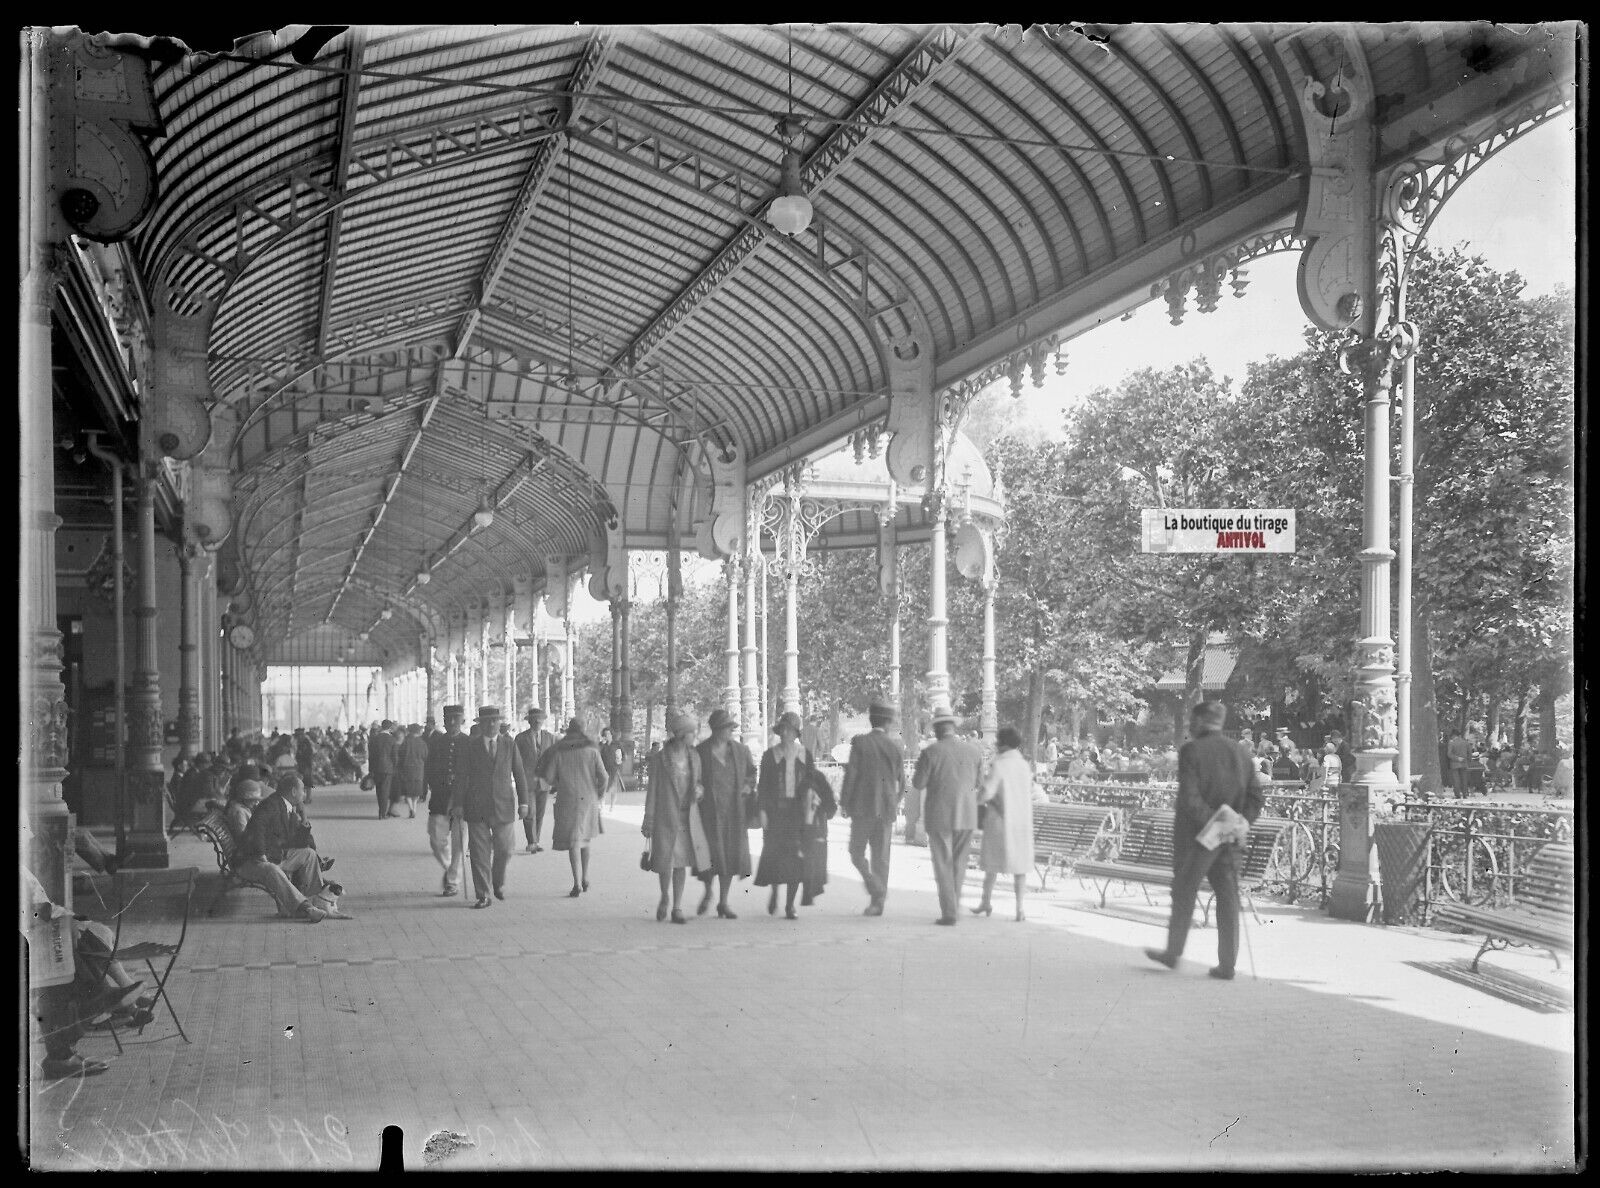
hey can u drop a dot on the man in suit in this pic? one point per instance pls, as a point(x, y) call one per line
point(532, 743)
point(491, 792)
point(874, 784)
point(384, 751)
point(444, 754)
point(1213, 771)
point(948, 771)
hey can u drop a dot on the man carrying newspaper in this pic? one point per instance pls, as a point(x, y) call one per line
point(1219, 795)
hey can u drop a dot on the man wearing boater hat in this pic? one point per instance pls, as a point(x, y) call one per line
point(491, 792)
point(949, 770)
point(874, 784)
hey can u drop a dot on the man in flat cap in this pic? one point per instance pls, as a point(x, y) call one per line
point(444, 756)
point(532, 743)
point(874, 785)
point(949, 770)
point(384, 752)
point(491, 791)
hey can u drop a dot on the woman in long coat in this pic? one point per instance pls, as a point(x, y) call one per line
point(573, 767)
point(677, 842)
point(1008, 825)
point(411, 760)
point(727, 777)
point(782, 794)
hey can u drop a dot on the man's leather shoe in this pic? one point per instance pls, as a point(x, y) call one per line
point(483, 902)
point(447, 892)
point(873, 909)
point(1162, 957)
point(948, 921)
point(1225, 975)
point(499, 892)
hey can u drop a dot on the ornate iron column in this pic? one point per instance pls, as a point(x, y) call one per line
point(208, 635)
point(938, 622)
point(188, 650)
point(569, 699)
point(40, 693)
point(889, 581)
point(989, 715)
point(749, 685)
point(146, 778)
point(484, 684)
point(510, 644)
point(730, 685)
point(622, 729)
point(674, 592)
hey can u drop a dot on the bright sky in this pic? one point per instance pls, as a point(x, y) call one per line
point(1518, 211)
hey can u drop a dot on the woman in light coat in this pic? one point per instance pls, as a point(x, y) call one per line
point(1008, 826)
point(574, 769)
point(671, 821)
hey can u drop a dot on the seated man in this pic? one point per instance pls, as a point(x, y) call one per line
point(100, 988)
point(247, 796)
point(278, 833)
point(195, 789)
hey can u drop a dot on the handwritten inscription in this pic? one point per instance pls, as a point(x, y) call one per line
point(181, 1136)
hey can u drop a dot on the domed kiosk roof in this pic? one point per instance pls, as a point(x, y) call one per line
point(858, 490)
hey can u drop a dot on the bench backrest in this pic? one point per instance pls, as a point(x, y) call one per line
point(215, 828)
point(1148, 840)
point(1258, 847)
point(1069, 828)
point(1547, 886)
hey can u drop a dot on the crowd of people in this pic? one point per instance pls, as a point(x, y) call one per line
point(702, 800)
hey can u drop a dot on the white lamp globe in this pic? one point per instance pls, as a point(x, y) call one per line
point(423, 577)
point(483, 517)
point(790, 213)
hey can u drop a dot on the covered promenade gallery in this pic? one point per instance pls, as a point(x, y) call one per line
point(352, 345)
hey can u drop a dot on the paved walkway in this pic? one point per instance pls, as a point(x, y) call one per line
point(552, 1032)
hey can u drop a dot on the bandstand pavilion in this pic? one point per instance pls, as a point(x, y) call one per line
point(363, 346)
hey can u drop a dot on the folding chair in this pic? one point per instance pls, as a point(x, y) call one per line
point(152, 911)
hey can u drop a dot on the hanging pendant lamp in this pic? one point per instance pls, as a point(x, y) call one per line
point(790, 212)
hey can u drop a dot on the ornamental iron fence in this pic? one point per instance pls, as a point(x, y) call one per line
point(1477, 854)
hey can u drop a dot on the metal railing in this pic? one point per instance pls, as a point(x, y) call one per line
point(1478, 854)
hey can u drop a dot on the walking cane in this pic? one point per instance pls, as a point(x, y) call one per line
point(1249, 952)
point(458, 829)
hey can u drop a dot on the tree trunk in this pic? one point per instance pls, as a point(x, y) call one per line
point(1425, 761)
point(1519, 723)
point(1491, 718)
point(1552, 684)
point(1030, 736)
point(1194, 666)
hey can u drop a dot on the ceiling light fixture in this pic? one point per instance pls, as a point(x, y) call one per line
point(790, 211)
point(484, 516)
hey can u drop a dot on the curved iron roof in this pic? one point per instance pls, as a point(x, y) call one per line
point(436, 258)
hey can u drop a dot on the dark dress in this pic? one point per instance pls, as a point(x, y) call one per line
point(815, 836)
point(722, 810)
point(783, 840)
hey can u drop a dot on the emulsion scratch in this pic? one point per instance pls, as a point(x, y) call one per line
point(1103, 1019)
point(1227, 1128)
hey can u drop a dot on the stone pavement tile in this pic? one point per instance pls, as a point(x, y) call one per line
point(560, 1032)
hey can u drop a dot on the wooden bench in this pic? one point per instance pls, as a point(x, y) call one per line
point(1144, 856)
point(215, 829)
point(1542, 915)
point(1063, 834)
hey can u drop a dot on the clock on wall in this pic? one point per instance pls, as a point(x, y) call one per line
point(241, 636)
